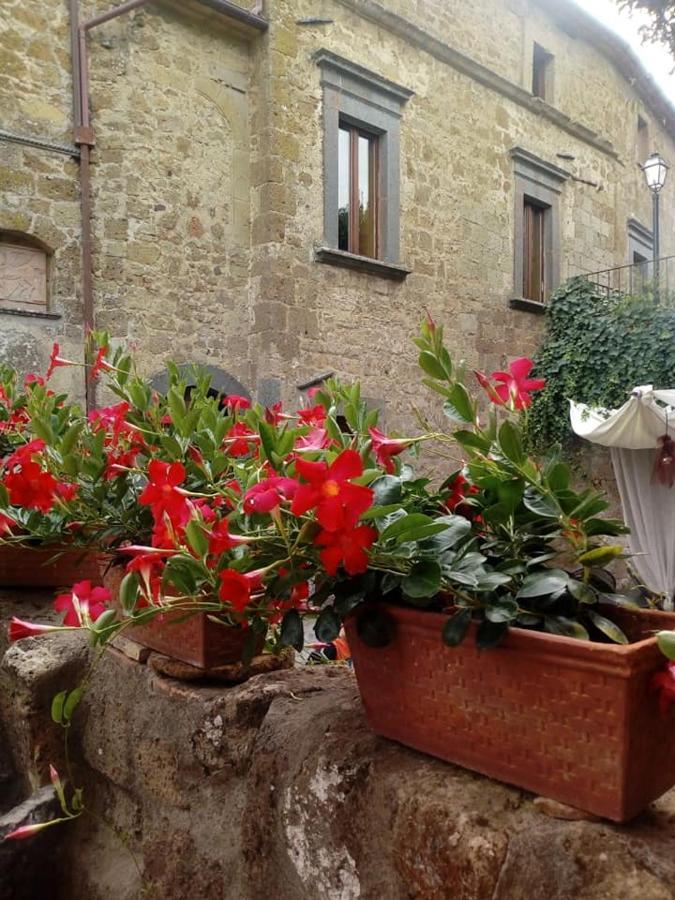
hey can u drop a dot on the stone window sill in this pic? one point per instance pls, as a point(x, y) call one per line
point(28, 313)
point(532, 306)
point(361, 263)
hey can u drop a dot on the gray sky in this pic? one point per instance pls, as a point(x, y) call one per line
point(656, 59)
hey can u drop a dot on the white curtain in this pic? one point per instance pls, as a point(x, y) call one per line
point(632, 434)
point(649, 510)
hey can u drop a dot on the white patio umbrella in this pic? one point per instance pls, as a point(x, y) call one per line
point(632, 434)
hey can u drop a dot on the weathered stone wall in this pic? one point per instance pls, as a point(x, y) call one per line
point(457, 187)
point(208, 183)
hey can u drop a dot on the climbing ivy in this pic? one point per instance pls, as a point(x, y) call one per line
point(598, 347)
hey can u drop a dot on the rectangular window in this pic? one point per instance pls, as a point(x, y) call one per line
point(23, 277)
point(357, 191)
point(535, 218)
point(542, 65)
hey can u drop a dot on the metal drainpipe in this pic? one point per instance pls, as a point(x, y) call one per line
point(84, 138)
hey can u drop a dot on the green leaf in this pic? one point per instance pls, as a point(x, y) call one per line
point(386, 490)
point(267, 438)
point(432, 366)
point(559, 477)
point(375, 627)
point(601, 556)
point(196, 537)
point(71, 703)
point(423, 580)
point(456, 529)
point(490, 634)
point(541, 505)
point(609, 628)
point(184, 573)
point(291, 633)
point(666, 642)
point(70, 437)
point(412, 527)
point(510, 442)
point(129, 592)
point(565, 627)
point(581, 592)
point(327, 626)
point(456, 627)
point(505, 609)
point(620, 600)
point(57, 707)
point(472, 441)
point(542, 584)
point(458, 406)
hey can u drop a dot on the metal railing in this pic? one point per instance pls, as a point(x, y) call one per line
point(642, 279)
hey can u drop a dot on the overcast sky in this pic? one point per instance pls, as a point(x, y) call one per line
point(656, 59)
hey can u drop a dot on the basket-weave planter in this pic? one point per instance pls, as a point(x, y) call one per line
point(567, 719)
point(198, 641)
point(47, 567)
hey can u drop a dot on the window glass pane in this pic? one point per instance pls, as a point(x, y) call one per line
point(534, 244)
point(343, 189)
point(367, 212)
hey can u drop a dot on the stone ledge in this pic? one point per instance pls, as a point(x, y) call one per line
point(29, 313)
point(278, 788)
point(361, 263)
point(532, 306)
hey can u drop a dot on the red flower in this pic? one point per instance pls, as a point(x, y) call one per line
point(30, 487)
point(162, 493)
point(664, 683)
point(32, 378)
point(100, 364)
point(67, 492)
point(317, 439)
point(338, 503)
point(268, 494)
point(221, 540)
point(274, 414)
point(26, 831)
point(19, 629)
point(313, 415)
point(241, 439)
point(346, 548)
point(460, 488)
point(118, 461)
point(236, 587)
point(55, 361)
point(235, 403)
point(384, 448)
point(113, 420)
point(515, 387)
point(82, 601)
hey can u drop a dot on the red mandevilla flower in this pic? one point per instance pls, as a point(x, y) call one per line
point(514, 386)
point(6, 524)
point(241, 440)
point(339, 503)
point(236, 587)
point(346, 548)
point(384, 448)
point(31, 487)
point(26, 831)
point(100, 364)
point(268, 494)
point(664, 683)
point(83, 600)
point(313, 415)
point(235, 403)
point(317, 439)
point(55, 361)
point(18, 629)
point(162, 494)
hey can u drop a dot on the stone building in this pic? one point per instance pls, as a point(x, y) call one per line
point(281, 192)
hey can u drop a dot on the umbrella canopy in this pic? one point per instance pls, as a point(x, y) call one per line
point(637, 425)
point(632, 433)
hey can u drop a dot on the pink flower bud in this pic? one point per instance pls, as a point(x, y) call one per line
point(19, 629)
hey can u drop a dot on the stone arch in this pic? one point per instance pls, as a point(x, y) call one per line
point(25, 262)
point(221, 381)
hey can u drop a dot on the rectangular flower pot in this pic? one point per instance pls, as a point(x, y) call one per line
point(198, 640)
point(568, 719)
point(47, 567)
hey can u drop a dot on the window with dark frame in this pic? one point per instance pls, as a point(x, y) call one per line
point(357, 191)
point(535, 224)
point(541, 72)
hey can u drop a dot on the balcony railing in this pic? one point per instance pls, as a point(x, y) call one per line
point(638, 280)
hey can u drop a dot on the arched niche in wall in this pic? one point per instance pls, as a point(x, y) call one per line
point(222, 383)
point(24, 272)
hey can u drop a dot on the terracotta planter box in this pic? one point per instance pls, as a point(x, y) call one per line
point(41, 567)
point(198, 641)
point(564, 718)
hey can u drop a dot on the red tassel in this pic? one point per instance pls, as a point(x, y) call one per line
point(664, 466)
